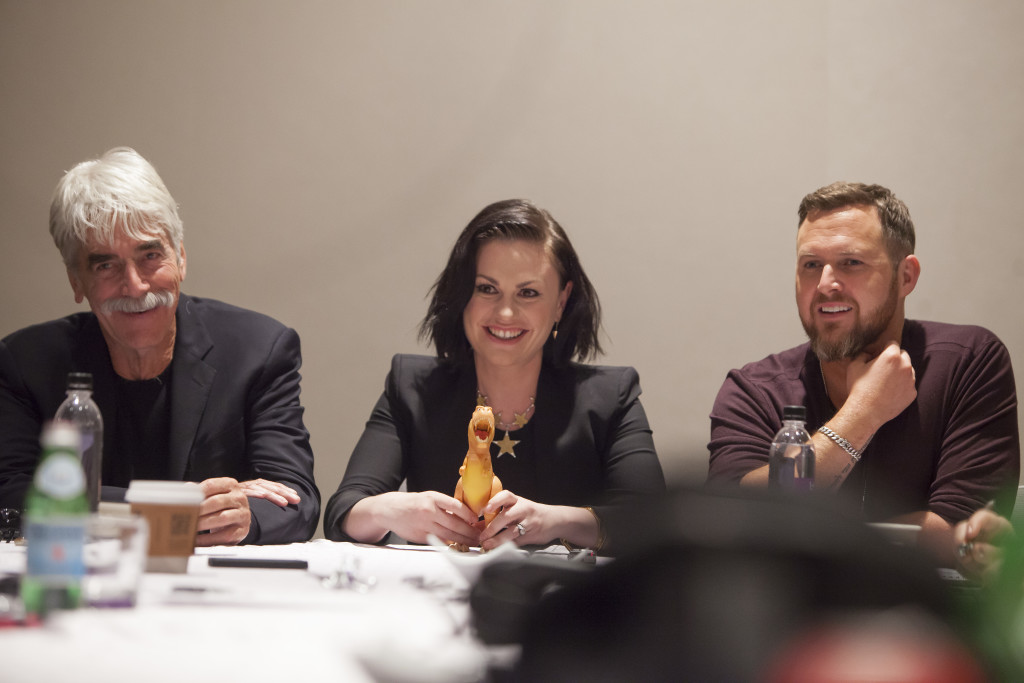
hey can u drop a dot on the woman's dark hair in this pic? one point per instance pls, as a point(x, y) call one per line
point(513, 219)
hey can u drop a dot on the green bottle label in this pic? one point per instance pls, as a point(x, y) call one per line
point(55, 548)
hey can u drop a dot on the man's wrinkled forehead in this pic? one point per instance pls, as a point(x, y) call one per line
point(854, 221)
point(99, 240)
point(817, 214)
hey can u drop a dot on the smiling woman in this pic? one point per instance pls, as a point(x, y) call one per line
point(511, 317)
point(518, 299)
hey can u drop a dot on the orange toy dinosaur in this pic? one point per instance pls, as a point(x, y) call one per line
point(477, 483)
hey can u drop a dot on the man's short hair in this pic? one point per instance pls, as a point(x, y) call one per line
point(120, 191)
point(897, 227)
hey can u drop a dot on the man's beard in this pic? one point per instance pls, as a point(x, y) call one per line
point(863, 334)
point(130, 304)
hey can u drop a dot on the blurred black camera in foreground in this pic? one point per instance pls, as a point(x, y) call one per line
point(709, 587)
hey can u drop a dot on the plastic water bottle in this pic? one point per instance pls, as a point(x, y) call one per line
point(80, 410)
point(791, 457)
point(56, 512)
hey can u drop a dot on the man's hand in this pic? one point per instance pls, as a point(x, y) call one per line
point(978, 540)
point(881, 387)
point(224, 512)
point(877, 390)
point(275, 492)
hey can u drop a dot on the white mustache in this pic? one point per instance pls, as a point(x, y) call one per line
point(129, 304)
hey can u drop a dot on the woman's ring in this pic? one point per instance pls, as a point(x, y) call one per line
point(520, 528)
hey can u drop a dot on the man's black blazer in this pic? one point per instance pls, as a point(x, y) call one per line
point(235, 408)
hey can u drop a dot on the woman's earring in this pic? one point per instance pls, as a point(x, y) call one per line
point(554, 332)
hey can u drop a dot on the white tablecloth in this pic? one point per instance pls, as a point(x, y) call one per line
point(229, 624)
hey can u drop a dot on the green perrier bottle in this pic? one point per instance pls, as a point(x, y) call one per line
point(56, 511)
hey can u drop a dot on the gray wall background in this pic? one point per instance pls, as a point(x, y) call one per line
point(326, 154)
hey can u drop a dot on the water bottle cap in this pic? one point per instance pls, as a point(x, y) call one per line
point(794, 413)
point(80, 380)
point(60, 434)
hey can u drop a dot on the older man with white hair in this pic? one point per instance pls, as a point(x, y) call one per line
point(190, 389)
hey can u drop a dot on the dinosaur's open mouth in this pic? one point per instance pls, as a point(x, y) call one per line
point(482, 430)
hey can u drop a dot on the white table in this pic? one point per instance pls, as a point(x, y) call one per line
point(228, 624)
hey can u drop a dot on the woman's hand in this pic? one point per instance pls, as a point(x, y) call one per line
point(977, 540)
point(412, 516)
point(525, 522)
point(516, 519)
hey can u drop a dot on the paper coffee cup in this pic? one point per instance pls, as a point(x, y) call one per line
point(172, 510)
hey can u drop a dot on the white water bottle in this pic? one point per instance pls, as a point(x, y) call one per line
point(791, 457)
point(80, 410)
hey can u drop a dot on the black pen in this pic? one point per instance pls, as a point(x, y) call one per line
point(256, 563)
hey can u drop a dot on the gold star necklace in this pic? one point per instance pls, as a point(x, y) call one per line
point(506, 444)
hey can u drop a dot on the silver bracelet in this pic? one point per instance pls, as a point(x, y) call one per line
point(843, 443)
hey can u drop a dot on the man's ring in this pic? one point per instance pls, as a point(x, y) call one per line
point(520, 528)
point(964, 549)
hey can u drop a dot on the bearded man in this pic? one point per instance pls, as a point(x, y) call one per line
point(190, 389)
point(913, 422)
